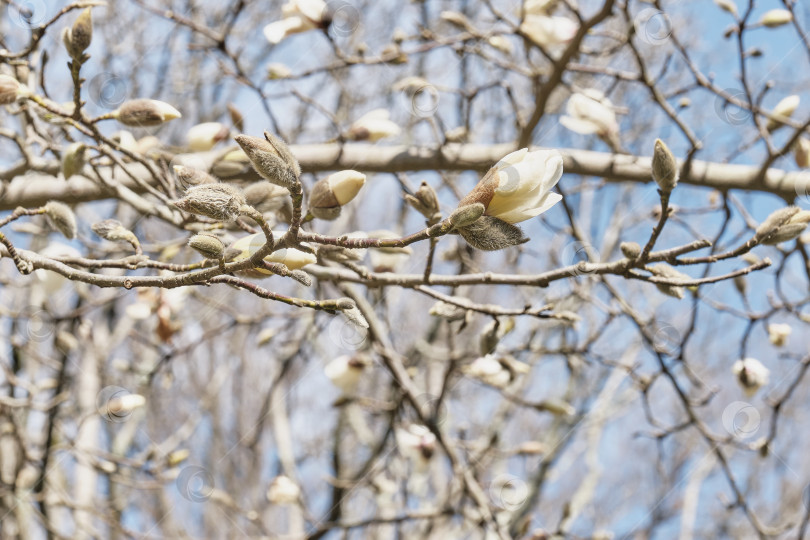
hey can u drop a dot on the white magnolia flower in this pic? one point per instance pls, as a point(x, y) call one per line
point(373, 126)
point(775, 17)
point(520, 185)
point(203, 137)
point(548, 31)
point(495, 371)
point(590, 112)
point(416, 443)
point(293, 258)
point(538, 7)
point(779, 333)
point(299, 16)
point(751, 375)
point(783, 110)
point(345, 372)
point(282, 490)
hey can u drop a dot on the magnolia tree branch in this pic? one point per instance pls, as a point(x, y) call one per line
point(37, 188)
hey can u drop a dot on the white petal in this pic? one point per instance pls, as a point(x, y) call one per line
point(578, 125)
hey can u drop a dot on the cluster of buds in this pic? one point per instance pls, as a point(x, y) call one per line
point(425, 202)
point(517, 188)
point(782, 225)
point(330, 194)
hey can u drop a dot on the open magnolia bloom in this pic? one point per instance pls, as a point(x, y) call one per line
point(517, 188)
point(292, 258)
point(549, 31)
point(299, 16)
point(590, 112)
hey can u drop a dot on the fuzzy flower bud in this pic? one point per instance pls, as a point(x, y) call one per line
point(751, 375)
point(666, 271)
point(114, 231)
point(466, 215)
point(10, 89)
point(425, 201)
point(490, 234)
point(664, 167)
point(631, 250)
point(216, 201)
point(189, 176)
point(782, 225)
point(272, 159)
point(73, 159)
point(207, 245)
point(145, 113)
point(78, 37)
point(331, 193)
point(205, 136)
point(61, 218)
point(277, 70)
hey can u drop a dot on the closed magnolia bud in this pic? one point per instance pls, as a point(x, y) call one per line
point(73, 159)
point(237, 120)
point(782, 112)
point(424, 201)
point(664, 167)
point(782, 225)
point(114, 231)
point(277, 71)
point(259, 194)
point(189, 176)
point(466, 215)
point(330, 193)
point(775, 17)
point(345, 372)
point(631, 250)
point(205, 136)
point(373, 126)
point(145, 113)
point(451, 312)
point(124, 404)
point(272, 159)
point(489, 234)
point(78, 37)
point(727, 5)
point(10, 88)
point(457, 19)
point(207, 245)
point(666, 271)
point(355, 316)
point(216, 201)
point(245, 247)
point(61, 218)
point(801, 152)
